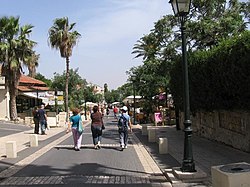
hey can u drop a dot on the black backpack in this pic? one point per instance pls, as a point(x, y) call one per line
point(122, 123)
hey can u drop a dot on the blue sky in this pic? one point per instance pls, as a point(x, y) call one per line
point(109, 29)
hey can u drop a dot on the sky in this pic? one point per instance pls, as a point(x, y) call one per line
point(109, 29)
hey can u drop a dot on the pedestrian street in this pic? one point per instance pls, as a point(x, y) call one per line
point(58, 164)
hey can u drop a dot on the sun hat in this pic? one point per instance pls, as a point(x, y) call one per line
point(124, 108)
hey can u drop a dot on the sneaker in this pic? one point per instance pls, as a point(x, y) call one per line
point(125, 147)
point(122, 146)
point(99, 145)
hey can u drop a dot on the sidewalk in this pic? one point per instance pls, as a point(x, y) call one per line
point(206, 153)
point(22, 139)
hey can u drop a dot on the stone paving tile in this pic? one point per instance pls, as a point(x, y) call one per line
point(18, 181)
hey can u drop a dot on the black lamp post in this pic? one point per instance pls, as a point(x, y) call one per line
point(133, 79)
point(85, 109)
point(181, 9)
point(56, 107)
point(85, 103)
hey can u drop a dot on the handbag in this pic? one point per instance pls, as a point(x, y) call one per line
point(79, 126)
point(103, 127)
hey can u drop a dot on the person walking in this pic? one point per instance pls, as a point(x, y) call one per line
point(115, 110)
point(96, 127)
point(36, 119)
point(74, 121)
point(42, 119)
point(123, 125)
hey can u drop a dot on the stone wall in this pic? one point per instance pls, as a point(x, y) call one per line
point(231, 128)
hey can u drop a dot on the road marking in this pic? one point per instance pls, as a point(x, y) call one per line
point(17, 130)
point(88, 145)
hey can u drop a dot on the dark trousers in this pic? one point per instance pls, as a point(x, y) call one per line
point(96, 134)
point(36, 121)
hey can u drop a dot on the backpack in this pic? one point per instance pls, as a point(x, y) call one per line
point(122, 123)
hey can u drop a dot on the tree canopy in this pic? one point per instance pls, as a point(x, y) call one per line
point(209, 23)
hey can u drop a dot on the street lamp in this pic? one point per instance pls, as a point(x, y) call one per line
point(181, 9)
point(133, 77)
point(85, 103)
point(56, 107)
point(85, 109)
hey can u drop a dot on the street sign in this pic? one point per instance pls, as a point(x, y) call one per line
point(59, 92)
point(60, 98)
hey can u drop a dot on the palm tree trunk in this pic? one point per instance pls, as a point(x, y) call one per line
point(12, 83)
point(13, 110)
point(67, 89)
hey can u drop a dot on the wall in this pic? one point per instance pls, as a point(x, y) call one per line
point(4, 105)
point(231, 128)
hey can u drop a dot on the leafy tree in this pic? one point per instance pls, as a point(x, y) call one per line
point(209, 23)
point(15, 48)
point(76, 86)
point(63, 37)
point(40, 77)
point(212, 21)
point(146, 47)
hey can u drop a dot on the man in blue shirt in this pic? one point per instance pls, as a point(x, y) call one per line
point(124, 124)
point(42, 119)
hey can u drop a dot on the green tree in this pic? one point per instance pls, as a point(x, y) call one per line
point(15, 47)
point(76, 86)
point(146, 47)
point(32, 63)
point(41, 77)
point(209, 22)
point(63, 37)
point(212, 21)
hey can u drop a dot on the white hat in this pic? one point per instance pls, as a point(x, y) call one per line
point(125, 108)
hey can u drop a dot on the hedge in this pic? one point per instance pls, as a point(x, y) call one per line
point(218, 78)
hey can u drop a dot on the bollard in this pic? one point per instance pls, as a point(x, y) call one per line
point(144, 129)
point(163, 145)
point(33, 140)
point(231, 175)
point(11, 151)
point(151, 135)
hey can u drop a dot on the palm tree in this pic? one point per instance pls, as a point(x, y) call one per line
point(63, 37)
point(32, 63)
point(14, 48)
point(146, 47)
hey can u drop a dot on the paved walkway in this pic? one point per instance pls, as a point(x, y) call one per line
point(132, 167)
point(22, 138)
point(206, 154)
